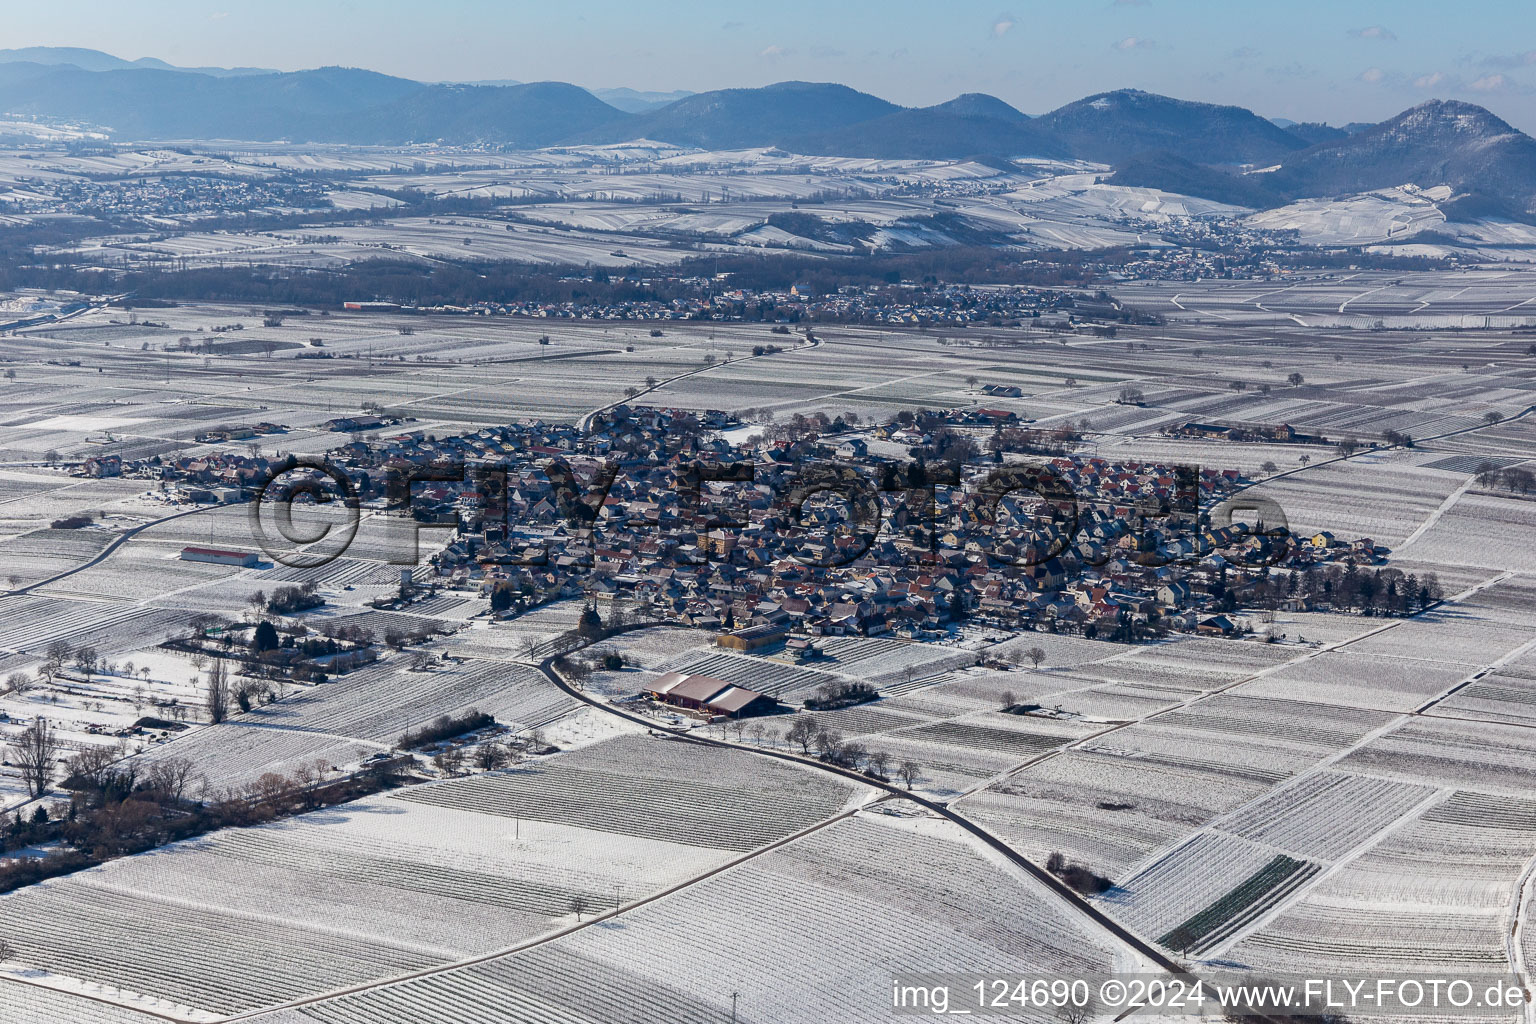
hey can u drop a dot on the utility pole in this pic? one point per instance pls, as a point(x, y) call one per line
point(733, 1007)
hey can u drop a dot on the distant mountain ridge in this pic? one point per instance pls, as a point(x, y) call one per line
point(1489, 165)
point(1441, 142)
point(95, 60)
point(1113, 126)
point(1225, 153)
point(967, 125)
point(638, 101)
point(744, 118)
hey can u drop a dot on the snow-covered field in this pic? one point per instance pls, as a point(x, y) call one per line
point(412, 879)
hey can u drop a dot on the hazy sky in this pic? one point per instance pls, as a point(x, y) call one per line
point(1308, 60)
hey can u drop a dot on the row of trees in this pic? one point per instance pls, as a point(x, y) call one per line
point(61, 655)
point(830, 746)
point(1389, 591)
point(119, 807)
point(1515, 480)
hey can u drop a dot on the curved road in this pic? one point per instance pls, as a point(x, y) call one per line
point(116, 543)
point(1063, 890)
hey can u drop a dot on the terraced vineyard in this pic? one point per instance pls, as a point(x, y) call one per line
point(1259, 891)
point(33, 622)
point(386, 885)
point(236, 753)
point(185, 953)
point(34, 1004)
point(1179, 884)
point(1327, 814)
point(847, 888)
point(379, 702)
point(721, 800)
point(1104, 810)
point(1436, 894)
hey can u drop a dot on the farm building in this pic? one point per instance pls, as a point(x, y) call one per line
point(221, 556)
point(711, 695)
point(754, 637)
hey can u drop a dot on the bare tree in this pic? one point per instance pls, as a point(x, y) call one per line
point(87, 661)
point(93, 764)
point(1036, 656)
point(1072, 1013)
point(217, 700)
point(803, 732)
point(273, 790)
point(306, 781)
point(578, 905)
point(170, 777)
point(909, 773)
point(829, 743)
point(450, 761)
point(492, 755)
point(58, 653)
point(36, 753)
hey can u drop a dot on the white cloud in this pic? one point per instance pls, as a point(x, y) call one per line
point(1374, 32)
point(1489, 83)
point(1001, 24)
point(1428, 81)
point(1135, 43)
point(1372, 75)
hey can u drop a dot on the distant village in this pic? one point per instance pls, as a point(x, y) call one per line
point(905, 304)
point(653, 507)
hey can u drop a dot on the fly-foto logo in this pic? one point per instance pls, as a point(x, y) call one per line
point(821, 514)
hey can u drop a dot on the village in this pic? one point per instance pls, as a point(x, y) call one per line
point(720, 298)
point(814, 534)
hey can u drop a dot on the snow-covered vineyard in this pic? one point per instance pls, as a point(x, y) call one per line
point(1336, 791)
